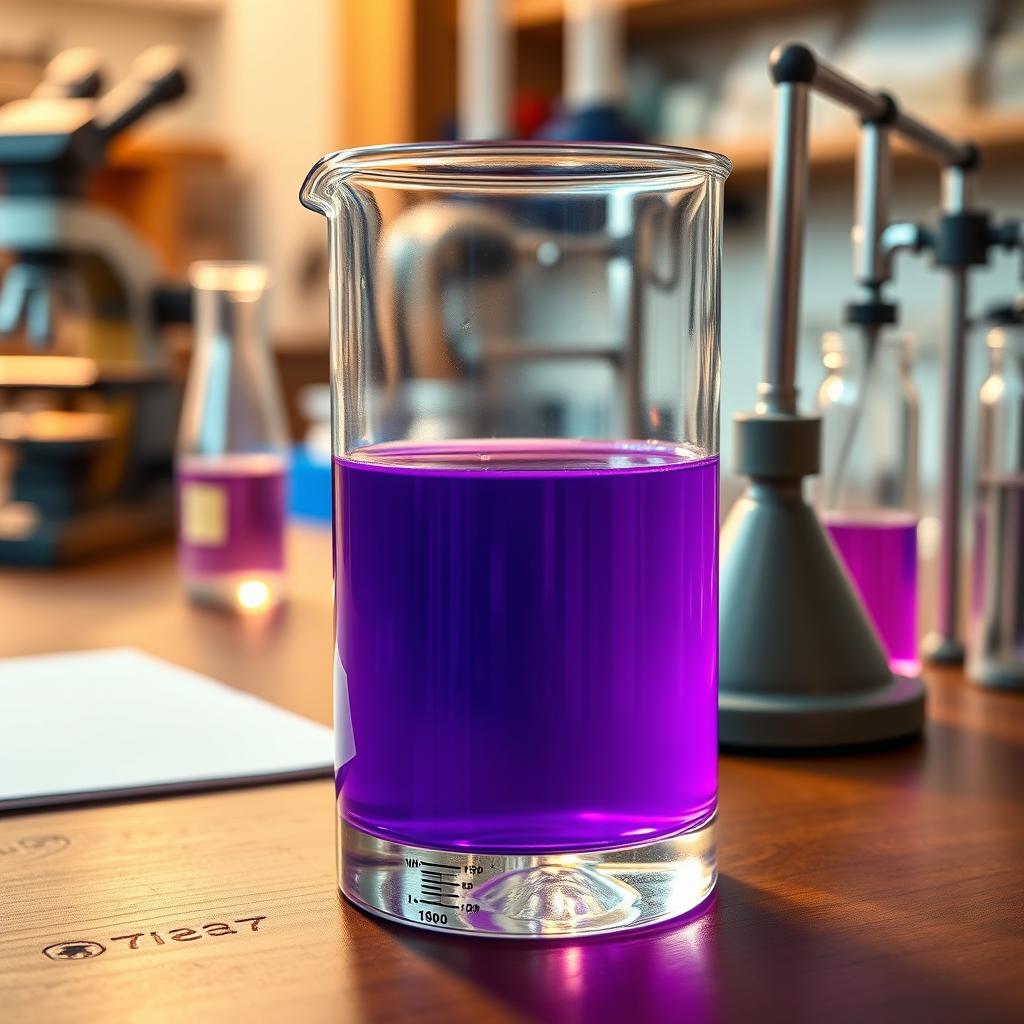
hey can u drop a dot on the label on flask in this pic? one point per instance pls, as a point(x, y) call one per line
point(204, 514)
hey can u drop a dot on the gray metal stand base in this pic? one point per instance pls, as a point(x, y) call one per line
point(941, 650)
point(774, 721)
point(799, 663)
point(996, 675)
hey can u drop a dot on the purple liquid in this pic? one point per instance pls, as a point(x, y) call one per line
point(239, 523)
point(881, 556)
point(530, 641)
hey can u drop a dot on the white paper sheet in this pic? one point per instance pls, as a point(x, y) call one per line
point(94, 725)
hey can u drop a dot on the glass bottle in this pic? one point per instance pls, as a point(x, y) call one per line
point(996, 651)
point(525, 436)
point(232, 446)
point(867, 490)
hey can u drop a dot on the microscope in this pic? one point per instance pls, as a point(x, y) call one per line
point(88, 406)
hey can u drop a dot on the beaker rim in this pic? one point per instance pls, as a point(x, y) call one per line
point(539, 164)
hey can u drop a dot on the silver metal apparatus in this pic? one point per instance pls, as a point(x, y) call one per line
point(965, 236)
point(89, 402)
point(805, 668)
point(996, 649)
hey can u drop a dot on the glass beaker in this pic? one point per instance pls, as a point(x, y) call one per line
point(232, 446)
point(996, 652)
point(525, 431)
point(867, 490)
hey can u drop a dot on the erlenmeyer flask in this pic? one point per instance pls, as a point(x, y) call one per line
point(867, 490)
point(232, 446)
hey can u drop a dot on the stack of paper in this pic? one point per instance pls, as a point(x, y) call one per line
point(101, 724)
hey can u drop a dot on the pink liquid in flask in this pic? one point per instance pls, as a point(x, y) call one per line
point(880, 554)
point(231, 518)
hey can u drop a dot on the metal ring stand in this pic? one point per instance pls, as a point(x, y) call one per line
point(803, 667)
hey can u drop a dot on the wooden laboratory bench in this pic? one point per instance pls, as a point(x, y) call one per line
point(866, 887)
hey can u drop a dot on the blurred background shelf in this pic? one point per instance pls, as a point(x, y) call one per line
point(179, 193)
point(196, 8)
point(403, 54)
point(218, 174)
point(1000, 135)
point(547, 14)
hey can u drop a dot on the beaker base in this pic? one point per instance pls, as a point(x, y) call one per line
point(544, 895)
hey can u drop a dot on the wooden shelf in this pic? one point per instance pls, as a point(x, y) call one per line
point(177, 8)
point(178, 193)
point(540, 14)
point(998, 134)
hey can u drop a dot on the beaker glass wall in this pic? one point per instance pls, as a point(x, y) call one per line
point(525, 426)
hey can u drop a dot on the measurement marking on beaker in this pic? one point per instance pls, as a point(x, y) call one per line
point(433, 880)
point(444, 886)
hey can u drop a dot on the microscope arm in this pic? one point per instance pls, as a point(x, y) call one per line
point(73, 74)
point(157, 76)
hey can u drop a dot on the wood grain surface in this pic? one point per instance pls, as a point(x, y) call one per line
point(863, 887)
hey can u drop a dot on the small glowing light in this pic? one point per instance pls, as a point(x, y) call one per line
point(639, 832)
point(245, 282)
point(548, 254)
point(992, 390)
point(18, 519)
point(48, 371)
point(832, 351)
point(905, 666)
point(929, 530)
point(54, 425)
point(833, 389)
point(253, 595)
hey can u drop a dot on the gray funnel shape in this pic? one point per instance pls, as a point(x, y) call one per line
point(799, 664)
